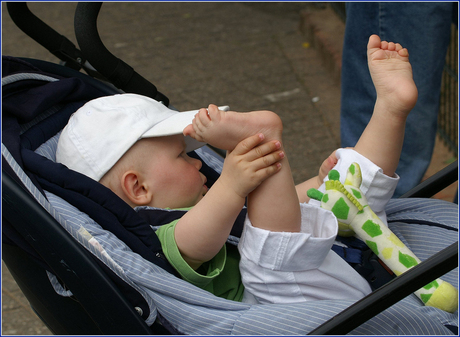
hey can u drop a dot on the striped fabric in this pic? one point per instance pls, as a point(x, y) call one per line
point(191, 310)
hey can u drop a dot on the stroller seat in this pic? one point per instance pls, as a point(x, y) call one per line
point(167, 303)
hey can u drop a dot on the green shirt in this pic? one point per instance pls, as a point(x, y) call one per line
point(220, 276)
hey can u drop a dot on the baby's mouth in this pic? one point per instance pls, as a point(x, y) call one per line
point(205, 188)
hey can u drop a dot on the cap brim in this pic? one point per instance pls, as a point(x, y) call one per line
point(175, 125)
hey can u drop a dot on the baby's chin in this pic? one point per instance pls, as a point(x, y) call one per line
point(199, 198)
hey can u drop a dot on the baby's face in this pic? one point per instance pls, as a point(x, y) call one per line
point(174, 176)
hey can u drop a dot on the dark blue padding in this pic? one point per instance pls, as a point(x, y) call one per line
point(24, 102)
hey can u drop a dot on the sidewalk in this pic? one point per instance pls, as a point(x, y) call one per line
point(245, 55)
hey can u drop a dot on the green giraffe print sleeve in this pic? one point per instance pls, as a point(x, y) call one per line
point(355, 217)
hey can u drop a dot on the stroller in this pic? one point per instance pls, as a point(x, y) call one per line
point(90, 265)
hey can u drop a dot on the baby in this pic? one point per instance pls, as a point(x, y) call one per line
point(135, 147)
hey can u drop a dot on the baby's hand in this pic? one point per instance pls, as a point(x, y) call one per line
point(249, 164)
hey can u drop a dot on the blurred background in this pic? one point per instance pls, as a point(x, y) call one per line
point(279, 56)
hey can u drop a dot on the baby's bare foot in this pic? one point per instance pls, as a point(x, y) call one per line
point(225, 129)
point(391, 73)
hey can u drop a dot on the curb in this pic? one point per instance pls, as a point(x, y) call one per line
point(325, 31)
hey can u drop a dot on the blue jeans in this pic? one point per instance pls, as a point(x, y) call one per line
point(424, 29)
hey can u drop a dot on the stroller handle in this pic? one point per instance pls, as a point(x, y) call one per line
point(387, 295)
point(115, 70)
point(55, 43)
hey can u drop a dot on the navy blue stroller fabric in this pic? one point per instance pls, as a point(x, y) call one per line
point(23, 130)
point(22, 102)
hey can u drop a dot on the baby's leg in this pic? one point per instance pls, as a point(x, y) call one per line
point(274, 204)
point(391, 72)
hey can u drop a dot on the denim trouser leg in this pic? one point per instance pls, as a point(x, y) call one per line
point(424, 29)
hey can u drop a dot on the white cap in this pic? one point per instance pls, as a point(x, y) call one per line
point(100, 132)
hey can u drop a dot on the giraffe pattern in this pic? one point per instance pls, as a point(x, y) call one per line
point(355, 217)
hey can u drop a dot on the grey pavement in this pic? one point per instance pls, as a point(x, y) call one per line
point(250, 56)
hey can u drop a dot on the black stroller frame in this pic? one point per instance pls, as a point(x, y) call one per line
point(98, 305)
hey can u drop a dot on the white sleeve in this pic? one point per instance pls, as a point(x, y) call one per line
point(376, 186)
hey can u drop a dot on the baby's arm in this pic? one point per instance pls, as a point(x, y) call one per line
point(316, 181)
point(202, 231)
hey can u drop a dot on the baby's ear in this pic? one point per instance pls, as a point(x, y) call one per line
point(135, 190)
